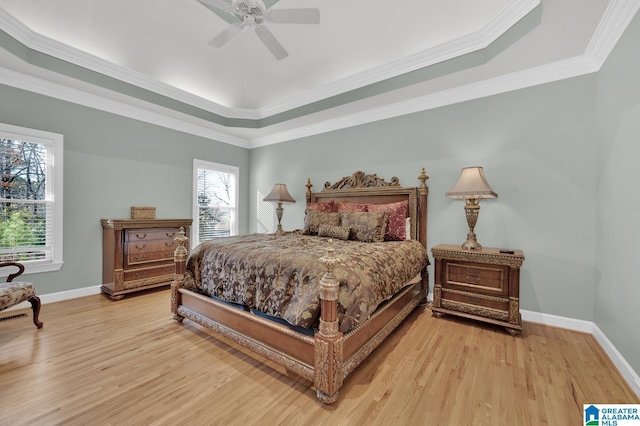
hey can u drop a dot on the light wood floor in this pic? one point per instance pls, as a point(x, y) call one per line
point(128, 363)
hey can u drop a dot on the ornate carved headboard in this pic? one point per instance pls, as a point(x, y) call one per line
point(362, 188)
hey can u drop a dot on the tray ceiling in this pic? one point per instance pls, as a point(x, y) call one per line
point(363, 54)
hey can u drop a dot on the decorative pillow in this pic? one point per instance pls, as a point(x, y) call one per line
point(407, 224)
point(396, 228)
point(321, 207)
point(313, 219)
point(331, 231)
point(351, 207)
point(366, 227)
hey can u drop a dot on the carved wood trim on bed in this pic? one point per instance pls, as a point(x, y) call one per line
point(329, 356)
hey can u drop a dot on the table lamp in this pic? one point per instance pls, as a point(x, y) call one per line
point(472, 186)
point(279, 194)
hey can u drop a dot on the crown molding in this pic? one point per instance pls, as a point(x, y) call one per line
point(40, 43)
point(615, 20)
point(472, 42)
point(65, 93)
point(519, 80)
point(508, 17)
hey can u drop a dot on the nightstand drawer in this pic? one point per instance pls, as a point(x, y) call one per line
point(475, 277)
point(476, 299)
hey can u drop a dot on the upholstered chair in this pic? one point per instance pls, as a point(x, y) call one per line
point(12, 293)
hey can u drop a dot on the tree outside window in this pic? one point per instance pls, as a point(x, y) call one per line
point(215, 196)
point(27, 210)
point(23, 214)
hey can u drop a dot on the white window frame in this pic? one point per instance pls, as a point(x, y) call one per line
point(217, 167)
point(54, 187)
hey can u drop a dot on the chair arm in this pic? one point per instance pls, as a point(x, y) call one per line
point(17, 274)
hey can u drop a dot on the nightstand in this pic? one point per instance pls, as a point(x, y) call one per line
point(479, 284)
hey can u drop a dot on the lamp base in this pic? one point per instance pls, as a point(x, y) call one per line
point(279, 211)
point(471, 245)
point(472, 209)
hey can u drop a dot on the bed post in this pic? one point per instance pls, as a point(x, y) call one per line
point(328, 355)
point(180, 258)
point(423, 191)
point(308, 185)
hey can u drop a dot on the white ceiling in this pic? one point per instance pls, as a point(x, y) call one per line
point(363, 58)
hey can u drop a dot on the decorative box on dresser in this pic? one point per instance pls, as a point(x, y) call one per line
point(137, 254)
point(480, 284)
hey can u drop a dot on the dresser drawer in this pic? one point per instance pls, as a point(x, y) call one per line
point(147, 234)
point(145, 273)
point(476, 277)
point(138, 253)
point(147, 246)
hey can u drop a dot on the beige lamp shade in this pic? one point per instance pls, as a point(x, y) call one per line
point(279, 193)
point(471, 184)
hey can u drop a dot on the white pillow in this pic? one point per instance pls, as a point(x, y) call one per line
point(407, 227)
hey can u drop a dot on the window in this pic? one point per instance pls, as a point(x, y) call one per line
point(215, 201)
point(31, 198)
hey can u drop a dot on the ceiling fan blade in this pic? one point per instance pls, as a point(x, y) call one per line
point(270, 41)
point(226, 35)
point(293, 16)
point(218, 4)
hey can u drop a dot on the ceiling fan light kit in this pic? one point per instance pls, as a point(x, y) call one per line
point(253, 13)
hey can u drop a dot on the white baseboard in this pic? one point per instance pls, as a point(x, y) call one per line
point(629, 375)
point(556, 321)
point(623, 366)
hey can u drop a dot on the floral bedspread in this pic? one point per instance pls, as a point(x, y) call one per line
point(279, 275)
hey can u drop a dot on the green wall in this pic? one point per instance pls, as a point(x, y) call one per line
point(617, 293)
point(537, 147)
point(110, 164)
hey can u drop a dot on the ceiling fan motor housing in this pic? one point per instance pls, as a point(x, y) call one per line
point(249, 11)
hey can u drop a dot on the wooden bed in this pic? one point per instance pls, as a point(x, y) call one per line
point(329, 356)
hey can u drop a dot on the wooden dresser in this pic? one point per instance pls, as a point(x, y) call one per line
point(137, 254)
point(480, 284)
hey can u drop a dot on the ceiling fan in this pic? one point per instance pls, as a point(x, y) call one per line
point(254, 13)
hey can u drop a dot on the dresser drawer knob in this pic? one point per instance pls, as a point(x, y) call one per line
point(170, 235)
point(141, 238)
point(169, 243)
point(141, 274)
point(140, 248)
point(140, 257)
